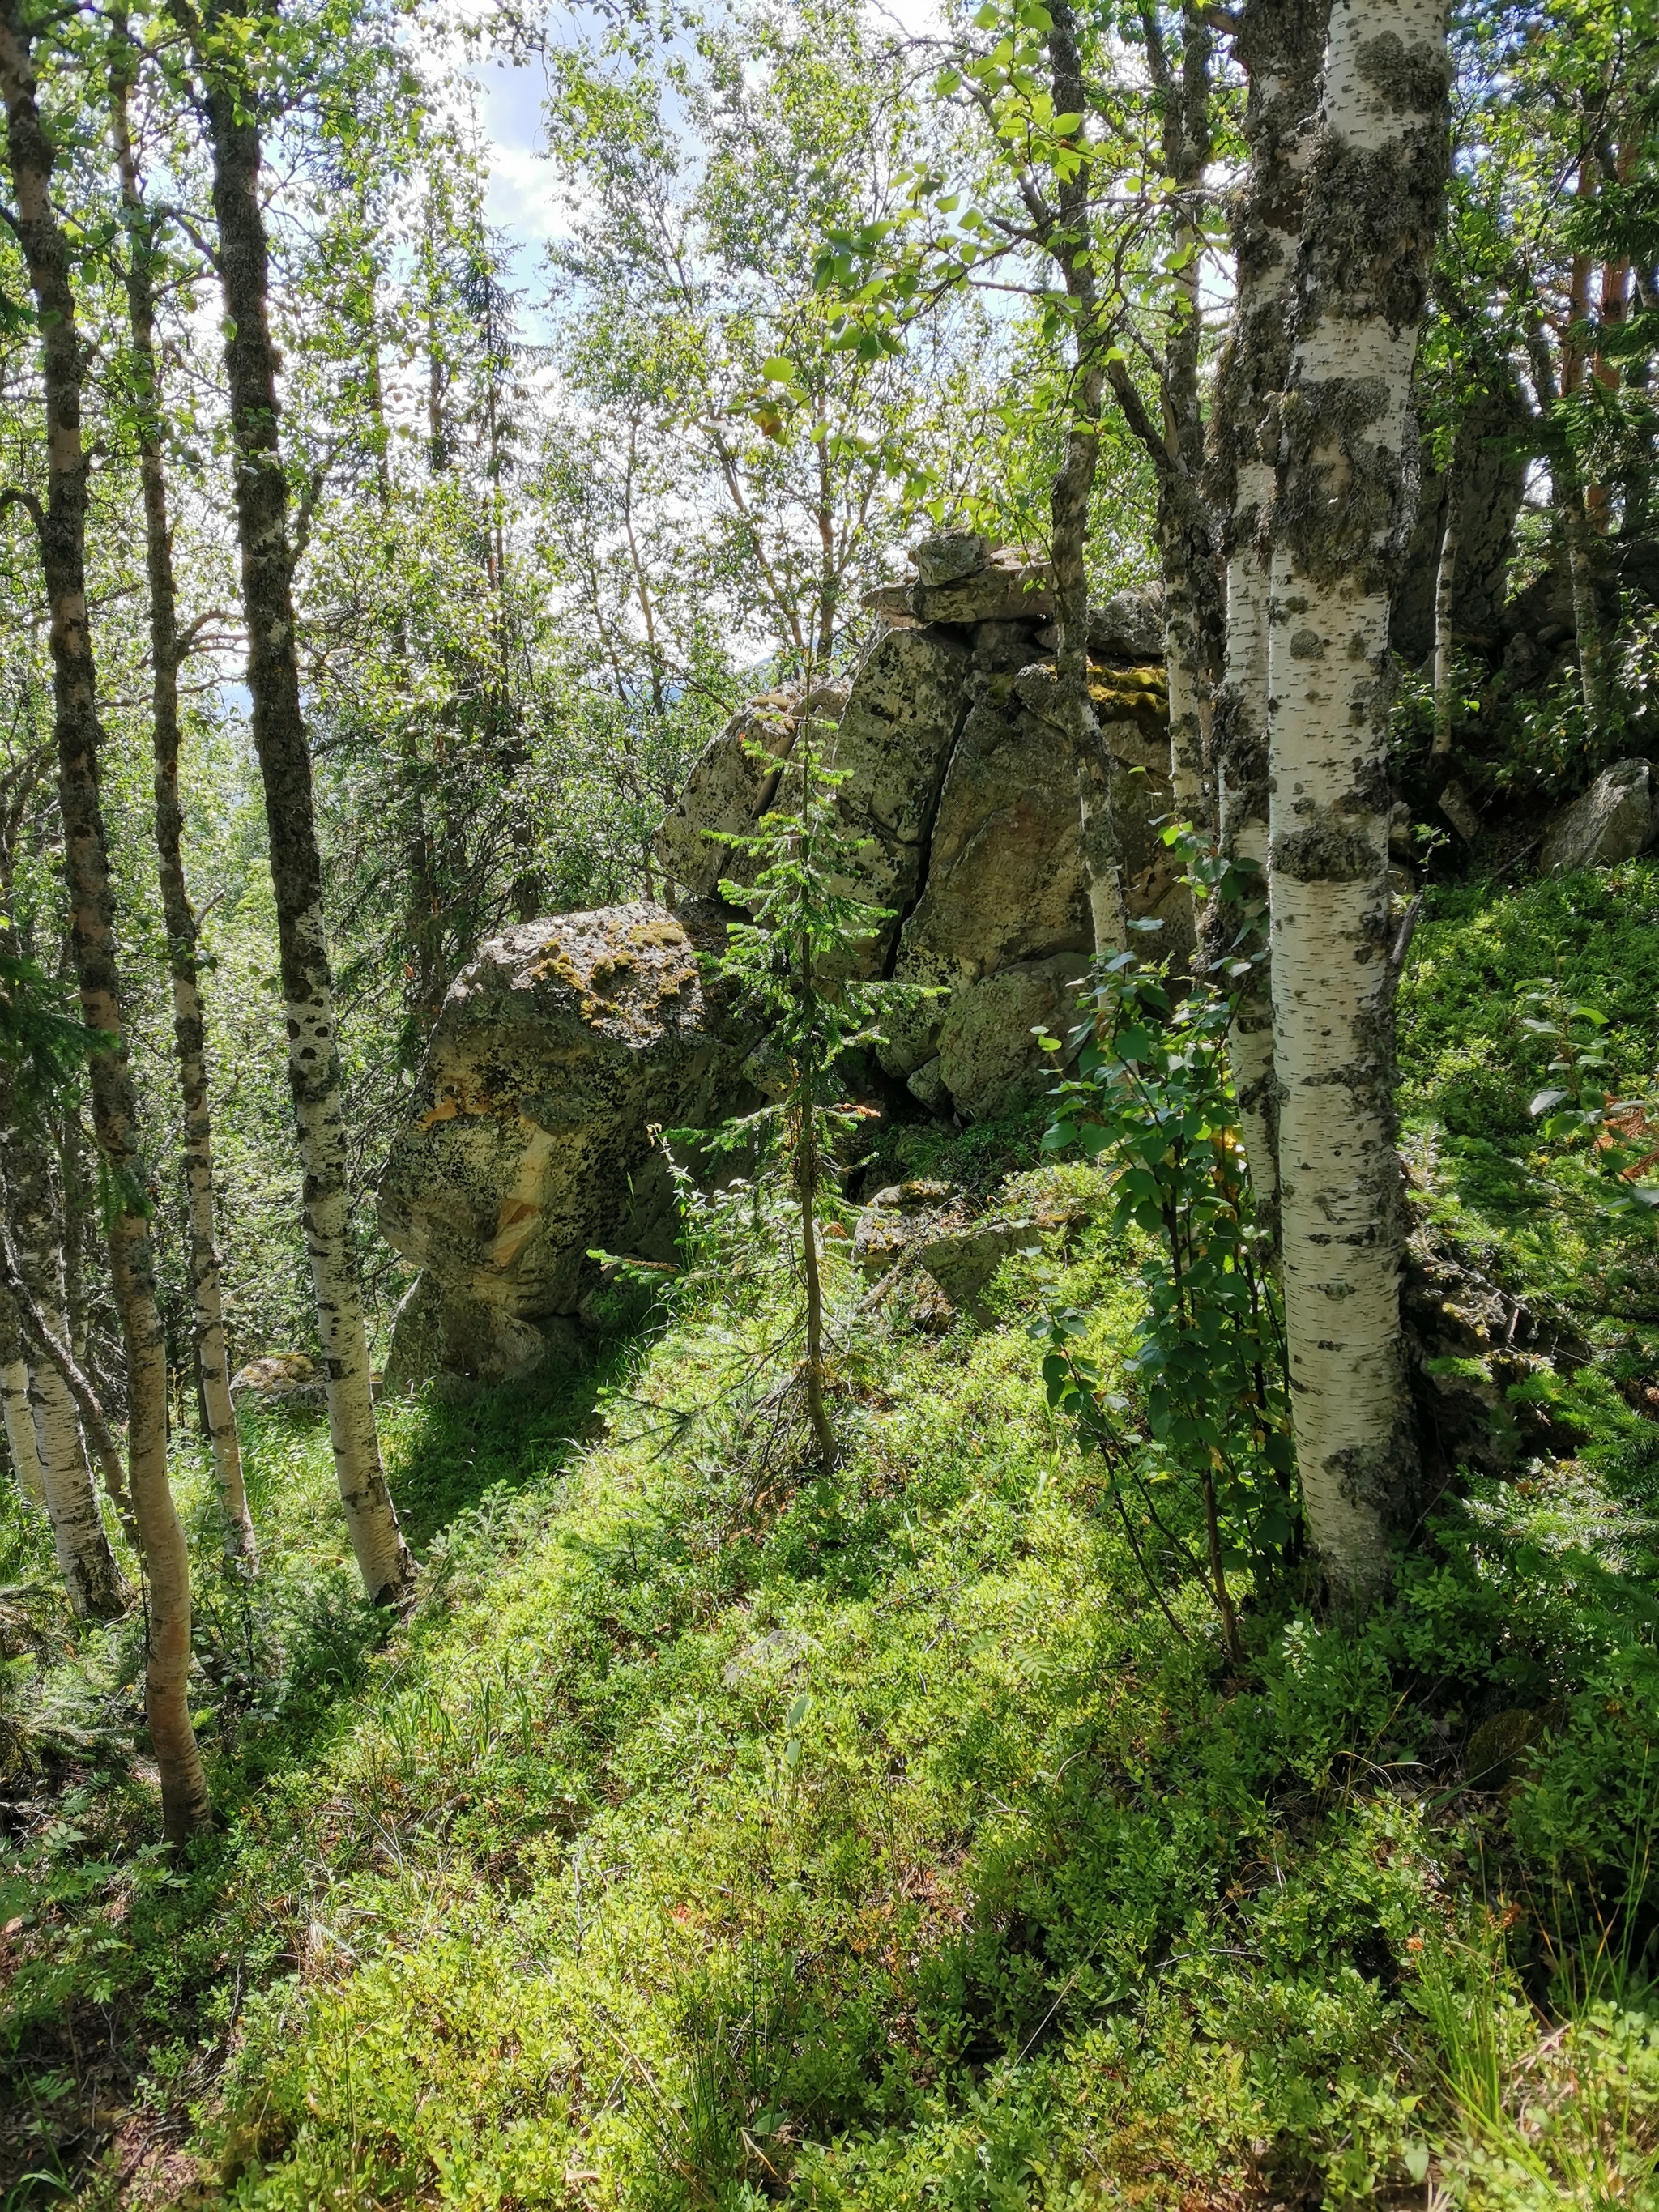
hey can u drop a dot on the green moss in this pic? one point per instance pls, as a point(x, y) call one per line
point(713, 1833)
point(1463, 1059)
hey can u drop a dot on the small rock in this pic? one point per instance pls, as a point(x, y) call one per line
point(894, 1218)
point(950, 558)
point(825, 702)
point(927, 1086)
point(285, 1382)
point(1613, 821)
point(962, 1262)
point(914, 1191)
point(1129, 627)
point(1496, 1750)
point(1455, 806)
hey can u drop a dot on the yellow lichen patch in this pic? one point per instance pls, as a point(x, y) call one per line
point(644, 934)
point(1124, 691)
point(558, 965)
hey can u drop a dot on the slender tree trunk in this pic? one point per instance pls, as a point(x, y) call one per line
point(1069, 242)
point(1593, 675)
point(1574, 497)
point(15, 1406)
point(1445, 587)
point(817, 1413)
point(279, 735)
point(1280, 45)
point(1339, 527)
point(185, 1805)
point(1193, 618)
point(806, 1162)
point(1576, 532)
point(91, 1575)
point(212, 1357)
point(74, 1182)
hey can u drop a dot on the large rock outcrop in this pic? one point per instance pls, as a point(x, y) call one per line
point(556, 1051)
point(959, 782)
point(565, 1041)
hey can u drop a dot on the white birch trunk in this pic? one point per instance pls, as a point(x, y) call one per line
point(1445, 587)
point(1279, 44)
point(15, 1406)
point(84, 1558)
point(92, 1577)
point(1339, 525)
point(371, 1521)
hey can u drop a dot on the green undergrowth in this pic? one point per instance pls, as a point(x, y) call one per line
point(716, 1832)
point(1469, 1069)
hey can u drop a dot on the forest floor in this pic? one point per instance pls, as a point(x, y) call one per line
point(713, 1833)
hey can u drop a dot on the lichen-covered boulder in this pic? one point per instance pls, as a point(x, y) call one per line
point(280, 1382)
point(989, 1060)
point(727, 789)
point(556, 1053)
point(1006, 892)
point(1614, 820)
point(1006, 588)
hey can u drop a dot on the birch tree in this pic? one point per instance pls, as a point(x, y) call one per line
point(231, 101)
point(61, 525)
point(15, 1406)
point(184, 962)
point(92, 1578)
point(1339, 525)
point(1280, 44)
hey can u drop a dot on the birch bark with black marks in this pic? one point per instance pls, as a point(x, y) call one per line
point(1279, 44)
point(1193, 615)
point(230, 103)
point(34, 1291)
point(62, 529)
point(1339, 526)
point(14, 1407)
point(1445, 588)
point(189, 1040)
point(1067, 235)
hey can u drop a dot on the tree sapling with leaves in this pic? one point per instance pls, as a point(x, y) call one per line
point(798, 959)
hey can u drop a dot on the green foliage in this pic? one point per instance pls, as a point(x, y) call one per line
point(717, 1828)
point(1203, 1397)
point(796, 962)
point(1577, 1109)
point(42, 1046)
